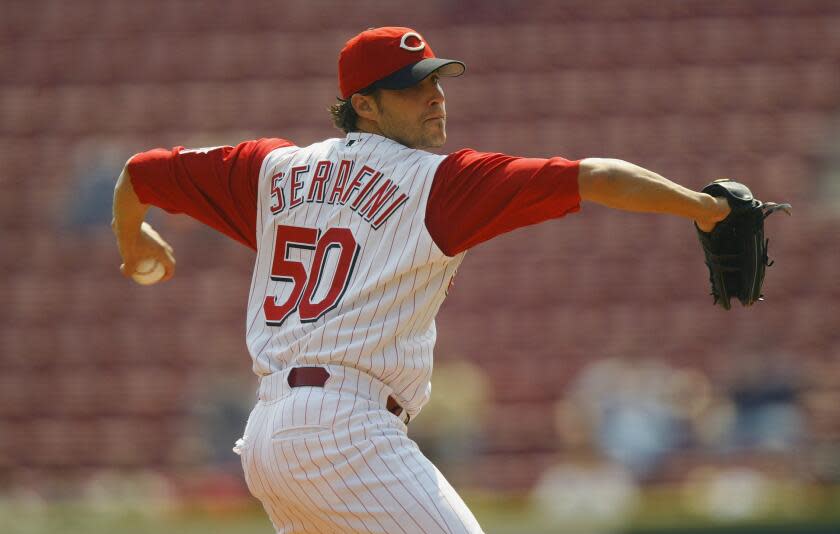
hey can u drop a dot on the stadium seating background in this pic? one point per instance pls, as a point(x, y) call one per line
point(98, 373)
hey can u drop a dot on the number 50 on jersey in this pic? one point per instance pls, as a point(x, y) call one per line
point(336, 247)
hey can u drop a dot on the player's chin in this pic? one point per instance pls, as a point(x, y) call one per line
point(435, 134)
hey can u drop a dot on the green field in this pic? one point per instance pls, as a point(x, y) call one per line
point(658, 513)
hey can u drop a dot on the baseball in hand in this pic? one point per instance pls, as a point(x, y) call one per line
point(148, 272)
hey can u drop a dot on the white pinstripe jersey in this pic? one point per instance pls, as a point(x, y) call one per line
point(346, 271)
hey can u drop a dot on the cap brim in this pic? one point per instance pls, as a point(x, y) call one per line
point(417, 72)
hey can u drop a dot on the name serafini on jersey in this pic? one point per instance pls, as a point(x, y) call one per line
point(369, 193)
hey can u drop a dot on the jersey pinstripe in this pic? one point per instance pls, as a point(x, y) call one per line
point(367, 299)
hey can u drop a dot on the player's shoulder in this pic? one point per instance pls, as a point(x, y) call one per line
point(258, 150)
point(418, 156)
point(466, 158)
point(267, 144)
point(318, 147)
point(471, 155)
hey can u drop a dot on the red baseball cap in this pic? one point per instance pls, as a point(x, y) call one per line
point(389, 58)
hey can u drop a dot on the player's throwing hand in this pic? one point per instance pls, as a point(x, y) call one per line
point(136, 239)
point(145, 244)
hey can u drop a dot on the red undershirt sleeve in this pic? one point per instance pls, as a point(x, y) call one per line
point(476, 196)
point(217, 186)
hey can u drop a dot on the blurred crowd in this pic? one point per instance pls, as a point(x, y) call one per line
point(741, 446)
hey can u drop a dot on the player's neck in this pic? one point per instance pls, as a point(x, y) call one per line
point(368, 126)
point(373, 128)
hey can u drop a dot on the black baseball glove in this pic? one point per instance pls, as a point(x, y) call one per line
point(736, 250)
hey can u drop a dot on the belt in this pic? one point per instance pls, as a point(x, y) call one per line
point(317, 377)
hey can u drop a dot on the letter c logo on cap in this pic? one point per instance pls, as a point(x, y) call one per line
point(404, 42)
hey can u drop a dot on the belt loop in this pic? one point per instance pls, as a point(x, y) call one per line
point(317, 377)
point(308, 376)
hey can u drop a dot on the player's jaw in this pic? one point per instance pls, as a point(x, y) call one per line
point(427, 130)
point(434, 127)
point(416, 116)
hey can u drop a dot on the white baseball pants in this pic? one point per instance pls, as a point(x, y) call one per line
point(332, 459)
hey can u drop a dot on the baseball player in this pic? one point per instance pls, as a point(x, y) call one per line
point(357, 241)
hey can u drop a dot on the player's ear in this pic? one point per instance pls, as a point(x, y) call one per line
point(365, 106)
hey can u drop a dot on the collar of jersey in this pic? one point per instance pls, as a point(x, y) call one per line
point(362, 136)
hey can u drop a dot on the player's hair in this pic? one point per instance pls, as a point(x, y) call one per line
point(344, 116)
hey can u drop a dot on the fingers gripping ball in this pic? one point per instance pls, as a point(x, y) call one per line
point(736, 249)
point(148, 272)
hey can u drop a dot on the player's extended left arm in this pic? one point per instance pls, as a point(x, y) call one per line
point(136, 239)
point(622, 185)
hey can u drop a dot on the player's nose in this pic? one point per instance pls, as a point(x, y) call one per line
point(435, 93)
point(433, 90)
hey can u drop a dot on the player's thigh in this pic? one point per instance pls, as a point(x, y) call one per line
point(359, 473)
point(354, 478)
point(278, 475)
point(388, 466)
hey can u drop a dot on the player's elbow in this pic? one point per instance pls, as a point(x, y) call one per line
point(597, 177)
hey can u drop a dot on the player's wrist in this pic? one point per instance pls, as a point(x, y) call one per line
point(126, 231)
point(713, 210)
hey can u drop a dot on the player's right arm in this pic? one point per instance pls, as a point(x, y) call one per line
point(216, 186)
point(136, 239)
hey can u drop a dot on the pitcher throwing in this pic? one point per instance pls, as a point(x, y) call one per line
point(357, 241)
